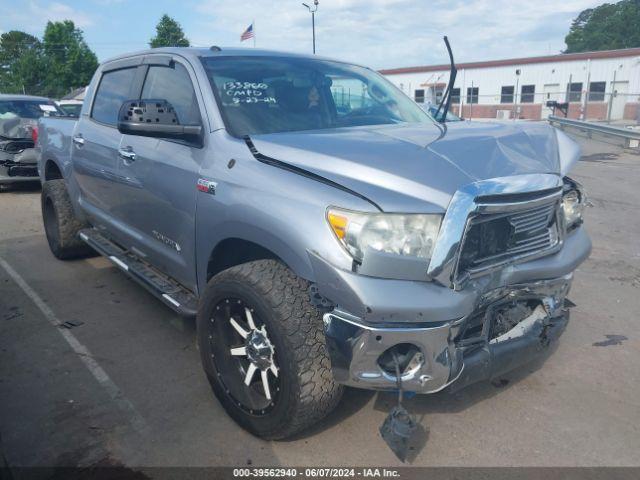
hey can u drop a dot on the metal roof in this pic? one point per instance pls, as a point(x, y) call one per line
point(563, 57)
point(75, 94)
point(192, 52)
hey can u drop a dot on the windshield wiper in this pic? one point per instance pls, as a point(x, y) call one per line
point(446, 99)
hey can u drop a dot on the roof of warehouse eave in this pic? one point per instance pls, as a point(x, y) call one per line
point(563, 57)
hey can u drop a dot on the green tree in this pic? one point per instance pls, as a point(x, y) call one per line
point(168, 34)
point(69, 61)
point(607, 27)
point(21, 63)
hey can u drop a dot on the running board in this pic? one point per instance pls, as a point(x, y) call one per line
point(162, 286)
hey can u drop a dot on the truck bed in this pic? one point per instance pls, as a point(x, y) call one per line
point(54, 141)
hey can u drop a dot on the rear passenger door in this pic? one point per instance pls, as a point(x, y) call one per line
point(95, 145)
point(161, 175)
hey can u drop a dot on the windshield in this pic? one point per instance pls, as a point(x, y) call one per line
point(283, 94)
point(18, 117)
point(32, 109)
point(451, 117)
point(71, 109)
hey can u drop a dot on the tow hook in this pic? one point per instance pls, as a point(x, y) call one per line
point(399, 428)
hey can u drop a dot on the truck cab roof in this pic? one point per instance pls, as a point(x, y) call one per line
point(214, 51)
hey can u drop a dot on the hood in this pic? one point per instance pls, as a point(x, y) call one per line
point(416, 168)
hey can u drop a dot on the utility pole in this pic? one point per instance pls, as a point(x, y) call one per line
point(515, 97)
point(471, 102)
point(313, 11)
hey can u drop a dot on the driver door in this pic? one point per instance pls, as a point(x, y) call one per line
point(160, 178)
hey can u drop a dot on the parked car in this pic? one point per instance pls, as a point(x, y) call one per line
point(18, 131)
point(70, 107)
point(317, 245)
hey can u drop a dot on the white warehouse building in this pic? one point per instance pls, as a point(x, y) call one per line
point(601, 85)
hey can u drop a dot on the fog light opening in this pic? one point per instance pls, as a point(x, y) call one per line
point(410, 359)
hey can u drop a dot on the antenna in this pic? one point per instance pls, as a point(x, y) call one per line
point(446, 99)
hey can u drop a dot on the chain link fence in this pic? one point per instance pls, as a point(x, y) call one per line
point(582, 105)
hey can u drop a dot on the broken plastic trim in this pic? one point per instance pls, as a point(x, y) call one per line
point(399, 427)
point(301, 171)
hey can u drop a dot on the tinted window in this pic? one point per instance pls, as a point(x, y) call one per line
point(506, 95)
point(574, 92)
point(472, 94)
point(528, 93)
point(419, 96)
point(596, 91)
point(173, 85)
point(32, 109)
point(18, 117)
point(260, 95)
point(114, 89)
point(455, 95)
point(72, 109)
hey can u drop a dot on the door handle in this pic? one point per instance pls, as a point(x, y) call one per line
point(78, 140)
point(127, 154)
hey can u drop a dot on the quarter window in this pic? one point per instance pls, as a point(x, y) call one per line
point(173, 85)
point(114, 89)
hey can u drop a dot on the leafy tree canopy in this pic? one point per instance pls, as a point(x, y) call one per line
point(69, 61)
point(168, 34)
point(607, 27)
point(20, 62)
point(53, 67)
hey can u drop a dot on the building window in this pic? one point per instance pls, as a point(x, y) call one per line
point(528, 94)
point(596, 91)
point(574, 92)
point(455, 95)
point(439, 92)
point(419, 96)
point(506, 95)
point(472, 95)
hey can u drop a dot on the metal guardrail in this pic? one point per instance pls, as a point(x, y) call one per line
point(631, 136)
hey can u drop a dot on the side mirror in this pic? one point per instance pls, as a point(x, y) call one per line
point(155, 118)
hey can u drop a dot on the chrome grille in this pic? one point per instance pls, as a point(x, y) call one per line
point(495, 238)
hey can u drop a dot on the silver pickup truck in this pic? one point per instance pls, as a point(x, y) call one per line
point(321, 227)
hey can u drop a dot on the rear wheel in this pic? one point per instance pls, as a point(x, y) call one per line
point(263, 349)
point(61, 225)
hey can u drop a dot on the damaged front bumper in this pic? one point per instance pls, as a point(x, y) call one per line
point(457, 353)
point(14, 172)
point(18, 167)
point(448, 338)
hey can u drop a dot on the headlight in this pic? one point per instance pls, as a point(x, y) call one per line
point(573, 202)
point(401, 234)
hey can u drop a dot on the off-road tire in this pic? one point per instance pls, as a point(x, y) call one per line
point(61, 224)
point(307, 392)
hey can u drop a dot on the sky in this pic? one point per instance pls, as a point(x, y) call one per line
point(376, 33)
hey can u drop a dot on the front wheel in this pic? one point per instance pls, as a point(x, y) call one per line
point(263, 349)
